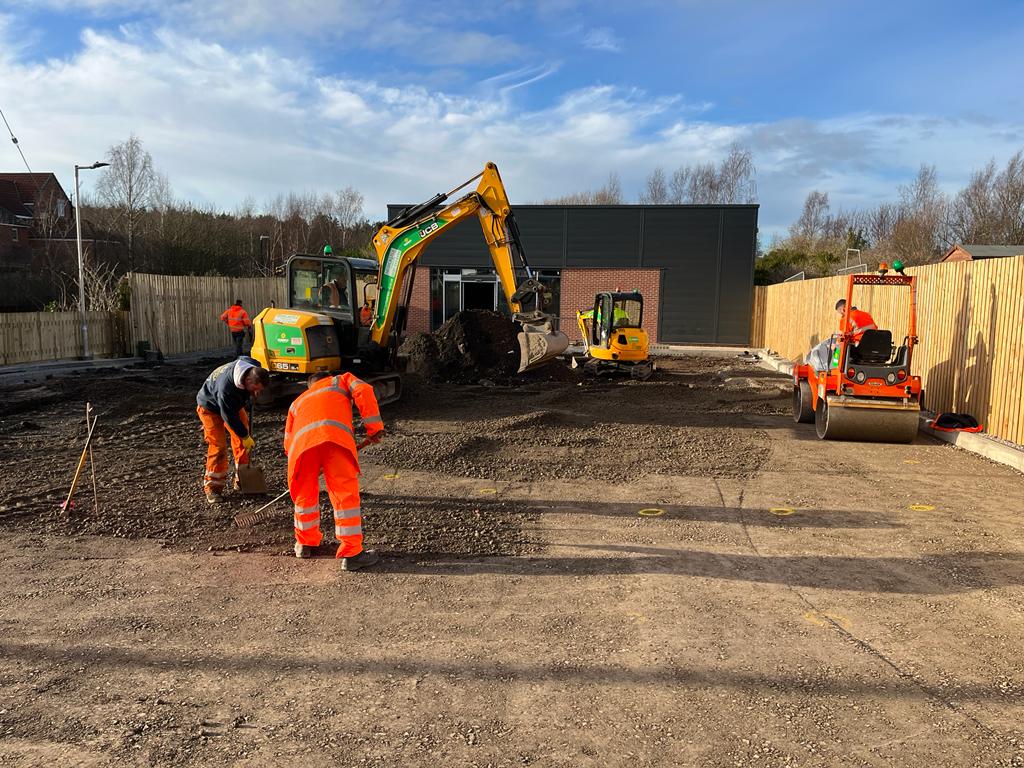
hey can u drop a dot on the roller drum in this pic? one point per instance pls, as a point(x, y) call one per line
point(881, 422)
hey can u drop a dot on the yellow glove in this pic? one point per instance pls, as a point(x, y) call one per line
point(248, 443)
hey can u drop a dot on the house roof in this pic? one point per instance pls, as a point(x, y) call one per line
point(11, 199)
point(993, 251)
point(19, 191)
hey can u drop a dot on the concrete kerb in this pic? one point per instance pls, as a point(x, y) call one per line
point(975, 442)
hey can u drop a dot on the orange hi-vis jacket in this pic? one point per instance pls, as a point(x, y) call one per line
point(860, 321)
point(323, 414)
point(236, 318)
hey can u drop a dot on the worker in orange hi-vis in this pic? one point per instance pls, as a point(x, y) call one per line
point(821, 357)
point(319, 439)
point(238, 322)
point(222, 404)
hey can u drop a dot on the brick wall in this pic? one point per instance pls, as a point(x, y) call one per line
point(579, 287)
point(419, 303)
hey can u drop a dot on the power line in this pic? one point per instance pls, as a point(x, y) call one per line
point(14, 141)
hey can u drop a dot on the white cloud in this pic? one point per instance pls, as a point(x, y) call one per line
point(226, 123)
point(602, 39)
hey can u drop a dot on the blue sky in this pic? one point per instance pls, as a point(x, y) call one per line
point(246, 99)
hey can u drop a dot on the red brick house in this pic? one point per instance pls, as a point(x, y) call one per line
point(38, 244)
point(975, 252)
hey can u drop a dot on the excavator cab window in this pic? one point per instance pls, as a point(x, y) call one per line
point(318, 285)
point(627, 312)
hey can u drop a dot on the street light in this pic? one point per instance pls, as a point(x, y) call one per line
point(81, 261)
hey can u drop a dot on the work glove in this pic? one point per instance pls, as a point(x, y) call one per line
point(376, 437)
point(248, 443)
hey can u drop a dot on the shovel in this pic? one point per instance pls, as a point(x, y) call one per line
point(251, 481)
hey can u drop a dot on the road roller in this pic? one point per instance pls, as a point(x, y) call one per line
point(869, 393)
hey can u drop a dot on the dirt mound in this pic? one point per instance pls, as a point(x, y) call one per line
point(472, 345)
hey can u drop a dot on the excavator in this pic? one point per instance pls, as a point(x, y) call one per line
point(613, 338)
point(350, 313)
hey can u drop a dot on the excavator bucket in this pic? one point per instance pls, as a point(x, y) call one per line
point(539, 342)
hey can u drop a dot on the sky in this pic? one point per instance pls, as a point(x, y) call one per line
point(244, 99)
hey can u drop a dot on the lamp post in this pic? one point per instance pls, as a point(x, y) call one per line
point(264, 241)
point(81, 260)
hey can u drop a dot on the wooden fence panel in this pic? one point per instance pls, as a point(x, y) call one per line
point(970, 322)
point(33, 337)
point(181, 313)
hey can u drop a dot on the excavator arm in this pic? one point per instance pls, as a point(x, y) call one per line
point(400, 243)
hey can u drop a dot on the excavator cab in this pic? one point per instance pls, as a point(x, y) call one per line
point(613, 336)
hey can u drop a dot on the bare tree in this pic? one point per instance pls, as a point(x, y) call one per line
point(348, 210)
point(806, 234)
point(127, 186)
point(609, 194)
point(656, 189)
point(990, 209)
point(918, 235)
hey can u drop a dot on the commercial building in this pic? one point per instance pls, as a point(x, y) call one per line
point(694, 265)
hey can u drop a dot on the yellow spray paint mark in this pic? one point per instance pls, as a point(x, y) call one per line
point(922, 507)
point(911, 461)
point(782, 511)
point(639, 618)
point(487, 490)
point(826, 619)
point(392, 476)
point(651, 512)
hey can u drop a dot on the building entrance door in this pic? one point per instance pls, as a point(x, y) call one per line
point(478, 295)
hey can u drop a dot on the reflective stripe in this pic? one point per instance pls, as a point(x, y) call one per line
point(324, 423)
point(372, 420)
point(348, 530)
point(345, 514)
point(307, 510)
point(305, 526)
point(216, 474)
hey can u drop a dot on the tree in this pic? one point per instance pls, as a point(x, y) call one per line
point(731, 181)
point(990, 209)
point(127, 186)
point(609, 194)
point(656, 190)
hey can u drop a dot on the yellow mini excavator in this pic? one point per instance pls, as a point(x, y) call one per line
point(613, 337)
point(349, 313)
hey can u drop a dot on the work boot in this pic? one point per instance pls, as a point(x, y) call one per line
point(364, 559)
point(212, 497)
point(302, 551)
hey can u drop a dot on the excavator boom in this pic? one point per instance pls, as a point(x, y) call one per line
point(400, 243)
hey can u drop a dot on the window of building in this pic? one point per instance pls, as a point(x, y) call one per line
point(453, 290)
point(14, 234)
point(60, 209)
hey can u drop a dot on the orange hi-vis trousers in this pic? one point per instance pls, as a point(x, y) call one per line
point(341, 476)
point(216, 432)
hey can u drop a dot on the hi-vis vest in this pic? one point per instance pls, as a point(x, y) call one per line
point(236, 318)
point(323, 414)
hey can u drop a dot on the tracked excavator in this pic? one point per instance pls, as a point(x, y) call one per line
point(350, 313)
point(869, 393)
point(613, 336)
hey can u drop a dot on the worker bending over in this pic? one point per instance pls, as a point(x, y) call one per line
point(319, 439)
point(821, 356)
point(224, 400)
point(238, 322)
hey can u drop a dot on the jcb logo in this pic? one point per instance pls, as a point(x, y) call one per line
point(427, 230)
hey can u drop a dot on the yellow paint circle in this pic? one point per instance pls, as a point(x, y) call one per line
point(827, 618)
point(392, 476)
point(911, 461)
point(782, 511)
point(487, 490)
point(651, 512)
point(922, 507)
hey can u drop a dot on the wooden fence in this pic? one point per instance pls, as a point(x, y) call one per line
point(970, 322)
point(180, 313)
point(32, 337)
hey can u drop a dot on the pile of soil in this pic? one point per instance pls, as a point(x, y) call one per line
point(471, 346)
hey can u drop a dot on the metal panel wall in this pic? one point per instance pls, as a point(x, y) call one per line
point(706, 252)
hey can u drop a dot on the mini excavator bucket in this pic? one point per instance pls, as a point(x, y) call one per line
point(539, 342)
